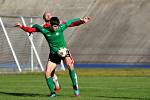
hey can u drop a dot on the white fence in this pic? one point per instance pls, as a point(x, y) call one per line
point(19, 51)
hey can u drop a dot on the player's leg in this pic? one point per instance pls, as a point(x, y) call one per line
point(70, 64)
point(59, 67)
point(56, 83)
point(50, 69)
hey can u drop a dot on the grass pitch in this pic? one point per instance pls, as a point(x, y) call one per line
point(94, 84)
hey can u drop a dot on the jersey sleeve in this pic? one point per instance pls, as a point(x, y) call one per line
point(40, 28)
point(76, 23)
point(73, 24)
point(28, 29)
point(68, 23)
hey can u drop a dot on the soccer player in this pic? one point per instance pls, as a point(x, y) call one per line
point(58, 50)
point(47, 16)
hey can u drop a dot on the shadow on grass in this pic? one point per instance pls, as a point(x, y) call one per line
point(132, 98)
point(26, 94)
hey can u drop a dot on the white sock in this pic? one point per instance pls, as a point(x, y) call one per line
point(55, 80)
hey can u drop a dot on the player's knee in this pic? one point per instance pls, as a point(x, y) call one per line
point(70, 66)
point(49, 70)
point(48, 73)
point(69, 63)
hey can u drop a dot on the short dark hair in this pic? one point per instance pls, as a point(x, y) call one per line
point(54, 21)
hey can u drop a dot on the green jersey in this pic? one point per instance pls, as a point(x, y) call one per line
point(55, 39)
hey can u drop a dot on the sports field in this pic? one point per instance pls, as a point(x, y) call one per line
point(95, 84)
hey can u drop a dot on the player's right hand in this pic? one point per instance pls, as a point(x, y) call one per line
point(18, 25)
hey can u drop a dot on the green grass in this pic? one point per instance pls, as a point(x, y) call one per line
point(94, 84)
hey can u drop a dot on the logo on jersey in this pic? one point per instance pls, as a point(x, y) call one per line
point(57, 33)
point(48, 35)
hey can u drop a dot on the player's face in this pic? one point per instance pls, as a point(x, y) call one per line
point(47, 17)
point(55, 27)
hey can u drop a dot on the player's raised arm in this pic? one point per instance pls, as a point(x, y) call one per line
point(26, 28)
point(39, 28)
point(73, 24)
point(69, 22)
point(80, 22)
point(77, 21)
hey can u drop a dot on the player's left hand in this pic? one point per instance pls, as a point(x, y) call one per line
point(86, 19)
